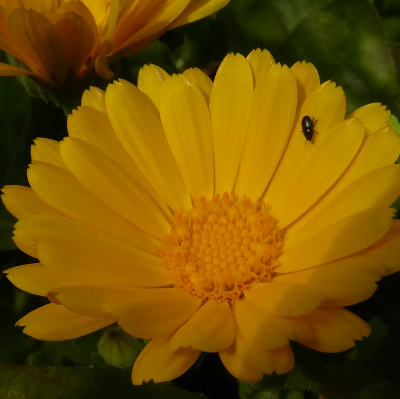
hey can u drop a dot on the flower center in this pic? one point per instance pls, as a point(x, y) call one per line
point(222, 246)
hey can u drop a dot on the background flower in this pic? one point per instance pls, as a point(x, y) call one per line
point(59, 40)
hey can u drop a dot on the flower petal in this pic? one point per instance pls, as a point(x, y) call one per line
point(42, 46)
point(317, 173)
point(35, 278)
point(335, 330)
point(61, 190)
point(158, 362)
point(247, 361)
point(160, 16)
point(377, 189)
point(210, 329)
point(257, 325)
point(187, 126)
point(198, 9)
point(307, 79)
point(272, 114)
point(335, 241)
point(230, 109)
point(285, 299)
point(55, 323)
point(343, 283)
point(95, 98)
point(47, 150)
point(199, 79)
point(374, 117)
point(327, 106)
point(92, 126)
point(241, 360)
point(23, 202)
point(72, 249)
point(385, 253)
point(137, 124)
point(260, 62)
point(378, 150)
point(113, 186)
point(150, 80)
point(143, 313)
point(150, 313)
point(10, 70)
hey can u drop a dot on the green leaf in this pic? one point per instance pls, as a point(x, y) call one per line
point(344, 39)
point(119, 349)
point(33, 382)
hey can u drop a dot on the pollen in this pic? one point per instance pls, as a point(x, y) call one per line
point(222, 246)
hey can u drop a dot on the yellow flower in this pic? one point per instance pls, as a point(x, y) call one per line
point(198, 215)
point(59, 39)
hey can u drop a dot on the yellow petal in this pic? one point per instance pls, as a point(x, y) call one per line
point(335, 330)
point(9, 70)
point(247, 361)
point(150, 313)
point(157, 22)
point(256, 324)
point(385, 253)
point(378, 189)
point(23, 202)
point(230, 109)
point(284, 359)
point(374, 117)
point(242, 360)
point(187, 126)
point(137, 124)
point(285, 299)
point(133, 16)
point(158, 362)
point(210, 329)
point(150, 80)
point(92, 126)
point(307, 79)
point(198, 9)
point(318, 171)
point(95, 98)
point(260, 62)
point(61, 190)
point(343, 283)
point(46, 150)
point(71, 248)
point(35, 278)
point(272, 114)
point(55, 323)
point(327, 106)
point(144, 313)
point(335, 241)
point(88, 300)
point(113, 186)
point(199, 79)
point(378, 150)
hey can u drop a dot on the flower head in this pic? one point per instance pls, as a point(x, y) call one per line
point(60, 39)
point(206, 217)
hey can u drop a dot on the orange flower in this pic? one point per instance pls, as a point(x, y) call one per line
point(59, 39)
point(198, 215)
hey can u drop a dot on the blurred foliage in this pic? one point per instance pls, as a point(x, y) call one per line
point(356, 43)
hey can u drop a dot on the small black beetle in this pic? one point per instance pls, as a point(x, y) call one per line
point(307, 126)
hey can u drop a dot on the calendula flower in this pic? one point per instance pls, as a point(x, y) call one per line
point(231, 216)
point(59, 39)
